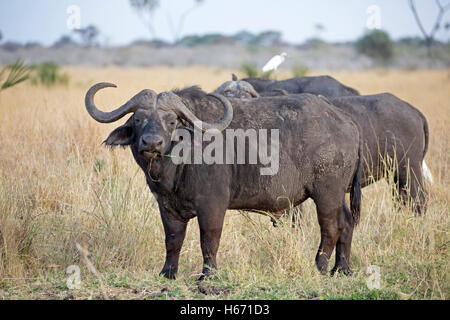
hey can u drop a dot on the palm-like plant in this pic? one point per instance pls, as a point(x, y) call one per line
point(17, 72)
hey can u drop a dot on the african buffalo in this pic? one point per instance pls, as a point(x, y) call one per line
point(396, 138)
point(242, 89)
point(324, 85)
point(319, 156)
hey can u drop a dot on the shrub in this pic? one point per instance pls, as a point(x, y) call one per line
point(250, 69)
point(376, 44)
point(48, 74)
point(299, 71)
point(267, 75)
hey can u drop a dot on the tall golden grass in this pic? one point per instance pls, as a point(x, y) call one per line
point(59, 186)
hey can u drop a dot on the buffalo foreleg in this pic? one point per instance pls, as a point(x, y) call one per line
point(211, 224)
point(175, 230)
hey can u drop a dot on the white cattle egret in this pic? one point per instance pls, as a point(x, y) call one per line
point(275, 62)
point(427, 172)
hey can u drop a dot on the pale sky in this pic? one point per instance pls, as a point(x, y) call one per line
point(45, 21)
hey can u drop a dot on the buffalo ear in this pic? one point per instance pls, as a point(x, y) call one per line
point(122, 136)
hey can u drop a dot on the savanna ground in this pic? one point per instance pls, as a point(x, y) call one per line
point(59, 186)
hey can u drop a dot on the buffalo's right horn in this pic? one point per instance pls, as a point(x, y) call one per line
point(144, 99)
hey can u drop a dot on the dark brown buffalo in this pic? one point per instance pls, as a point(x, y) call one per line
point(395, 135)
point(396, 138)
point(319, 157)
point(324, 85)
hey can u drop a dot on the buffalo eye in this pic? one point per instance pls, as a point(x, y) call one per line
point(171, 121)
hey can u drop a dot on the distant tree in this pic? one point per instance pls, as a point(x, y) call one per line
point(429, 36)
point(411, 41)
point(1, 36)
point(320, 28)
point(178, 29)
point(88, 35)
point(446, 26)
point(32, 44)
point(210, 38)
point(376, 44)
point(206, 39)
point(11, 46)
point(314, 43)
point(244, 37)
point(64, 40)
point(268, 38)
point(156, 43)
point(146, 10)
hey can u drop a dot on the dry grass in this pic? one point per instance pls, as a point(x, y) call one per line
point(58, 186)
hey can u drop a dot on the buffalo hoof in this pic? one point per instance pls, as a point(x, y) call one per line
point(169, 274)
point(341, 270)
point(274, 222)
point(206, 273)
point(322, 264)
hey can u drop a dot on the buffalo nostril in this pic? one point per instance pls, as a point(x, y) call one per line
point(150, 143)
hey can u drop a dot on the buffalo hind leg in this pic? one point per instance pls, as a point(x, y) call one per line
point(344, 243)
point(411, 188)
point(332, 224)
point(175, 231)
point(211, 224)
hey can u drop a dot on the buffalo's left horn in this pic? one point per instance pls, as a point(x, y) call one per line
point(181, 109)
point(249, 88)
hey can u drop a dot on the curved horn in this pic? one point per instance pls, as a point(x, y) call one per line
point(143, 99)
point(249, 88)
point(224, 86)
point(227, 115)
point(181, 109)
point(282, 92)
